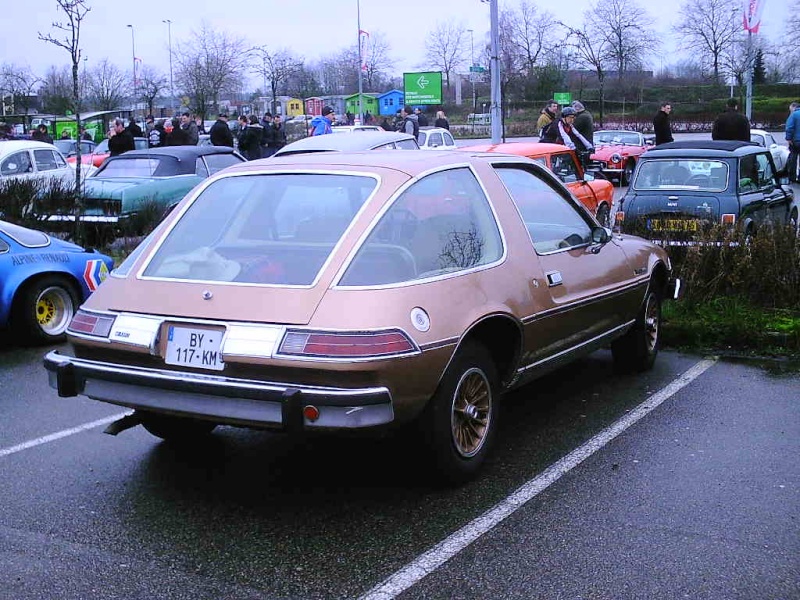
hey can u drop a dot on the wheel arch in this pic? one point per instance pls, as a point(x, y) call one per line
point(33, 278)
point(501, 335)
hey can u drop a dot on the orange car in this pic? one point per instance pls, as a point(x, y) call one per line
point(594, 193)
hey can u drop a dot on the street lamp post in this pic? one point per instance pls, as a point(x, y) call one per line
point(133, 52)
point(471, 74)
point(169, 42)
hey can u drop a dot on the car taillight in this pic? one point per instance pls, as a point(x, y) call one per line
point(88, 323)
point(728, 219)
point(359, 344)
point(620, 217)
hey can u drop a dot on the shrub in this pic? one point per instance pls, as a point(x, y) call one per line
point(30, 202)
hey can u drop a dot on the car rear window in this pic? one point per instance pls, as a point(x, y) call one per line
point(30, 238)
point(261, 229)
point(130, 167)
point(682, 174)
point(217, 162)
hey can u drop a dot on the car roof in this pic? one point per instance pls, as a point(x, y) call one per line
point(616, 131)
point(365, 140)
point(520, 148)
point(179, 152)
point(410, 162)
point(704, 148)
point(9, 146)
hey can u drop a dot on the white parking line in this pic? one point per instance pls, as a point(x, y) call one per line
point(428, 562)
point(59, 434)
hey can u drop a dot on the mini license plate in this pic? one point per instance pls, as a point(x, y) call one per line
point(190, 347)
point(672, 225)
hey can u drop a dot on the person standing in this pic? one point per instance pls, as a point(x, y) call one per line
point(220, 132)
point(190, 128)
point(41, 135)
point(85, 135)
point(584, 123)
point(177, 135)
point(564, 132)
point(134, 129)
point(119, 139)
point(320, 125)
point(547, 116)
point(793, 140)
point(441, 121)
point(421, 118)
point(157, 135)
point(276, 136)
point(661, 124)
point(409, 123)
point(731, 124)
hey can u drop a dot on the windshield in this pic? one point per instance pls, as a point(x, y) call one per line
point(687, 174)
point(262, 229)
point(630, 138)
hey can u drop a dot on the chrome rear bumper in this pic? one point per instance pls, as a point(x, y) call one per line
point(224, 400)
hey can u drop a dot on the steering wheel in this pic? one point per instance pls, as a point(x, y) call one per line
point(699, 180)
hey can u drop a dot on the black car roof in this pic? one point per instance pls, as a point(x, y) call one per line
point(180, 152)
point(704, 148)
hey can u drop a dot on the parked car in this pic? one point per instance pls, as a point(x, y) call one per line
point(334, 292)
point(366, 140)
point(124, 184)
point(618, 151)
point(780, 153)
point(354, 128)
point(28, 159)
point(595, 193)
point(682, 188)
point(101, 151)
point(69, 148)
point(435, 138)
point(43, 280)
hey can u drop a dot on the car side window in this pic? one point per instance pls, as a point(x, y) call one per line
point(564, 167)
point(45, 160)
point(766, 177)
point(435, 139)
point(770, 140)
point(407, 145)
point(17, 164)
point(200, 168)
point(60, 162)
point(748, 174)
point(448, 139)
point(4, 247)
point(441, 224)
point(553, 221)
point(217, 162)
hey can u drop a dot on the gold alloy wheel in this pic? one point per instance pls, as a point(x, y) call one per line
point(651, 322)
point(54, 310)
point(471, 413)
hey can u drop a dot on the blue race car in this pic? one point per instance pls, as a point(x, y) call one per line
point(43, 280)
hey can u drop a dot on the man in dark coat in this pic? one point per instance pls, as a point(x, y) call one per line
point(120, 139)
point(220, 133)
point(41, 135)
point(134, 129)
point(661, 125)
point(276, 136)
point(731, 124)
point(584, 122)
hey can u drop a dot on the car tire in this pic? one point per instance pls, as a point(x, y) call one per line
point(460, 421)
point(175, 429)
point(638, 348)
point(43, 309)
point(794, 220)
point(603, 215)
point(627, 173)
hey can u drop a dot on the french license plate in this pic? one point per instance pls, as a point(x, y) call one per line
point(672, 225)
point(190, 347)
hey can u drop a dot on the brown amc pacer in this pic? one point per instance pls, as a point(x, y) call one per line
point(350, 291)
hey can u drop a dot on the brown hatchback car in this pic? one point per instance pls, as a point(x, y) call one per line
point(343, 291)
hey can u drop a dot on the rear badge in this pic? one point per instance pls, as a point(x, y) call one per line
point(207, 295)
point(420, 319)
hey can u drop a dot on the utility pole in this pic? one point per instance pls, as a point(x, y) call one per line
point(360, 115)
point(169, 42)
point(133, 52)
point(494, 65)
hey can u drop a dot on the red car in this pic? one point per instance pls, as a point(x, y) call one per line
point(618, 151)
point(100, 152)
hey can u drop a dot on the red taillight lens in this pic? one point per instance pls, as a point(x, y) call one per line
point(91, 324)
point(346, 344)
point(728, 219)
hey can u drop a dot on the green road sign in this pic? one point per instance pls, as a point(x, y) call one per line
point(562, 97)
point(423, 88)
point(477, 69)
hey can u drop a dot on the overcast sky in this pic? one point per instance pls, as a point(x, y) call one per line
point(311, 28)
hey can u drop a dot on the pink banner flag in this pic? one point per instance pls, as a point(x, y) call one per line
point(363, 41)
point(752, 14)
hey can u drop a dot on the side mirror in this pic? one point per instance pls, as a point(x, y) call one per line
point(601, 235)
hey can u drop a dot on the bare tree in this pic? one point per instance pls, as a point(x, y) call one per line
point(304, 83)
point(74, 11)
point(108, 85)
point(628, 32)
point(20, 83)
point(790, 52)
point(530, 33)
point(211, 63)
point(152, 84)
point(276, 68)
point(445, 47)
point(591, 50)
point(708, 28)
point(379, 62)
point(56, 91)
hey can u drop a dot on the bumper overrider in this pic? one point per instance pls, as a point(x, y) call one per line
point(220, 399)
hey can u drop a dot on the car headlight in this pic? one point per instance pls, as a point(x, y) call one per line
point(616, 157)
